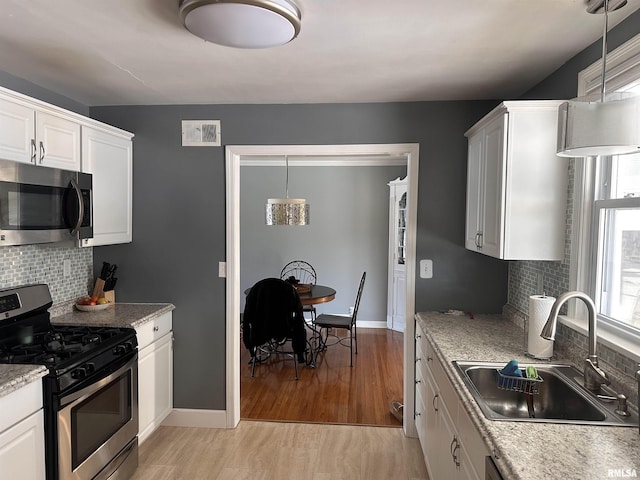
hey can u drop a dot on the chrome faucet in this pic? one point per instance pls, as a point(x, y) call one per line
point(594, 376)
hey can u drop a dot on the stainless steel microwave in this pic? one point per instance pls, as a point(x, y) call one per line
point(43, 205)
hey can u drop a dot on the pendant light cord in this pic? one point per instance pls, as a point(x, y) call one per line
point(286, 163)
point(603, 87)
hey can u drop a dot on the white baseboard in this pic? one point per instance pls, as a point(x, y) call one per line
point(371, 324)
point(186, 417)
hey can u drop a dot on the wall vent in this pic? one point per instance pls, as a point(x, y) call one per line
point(200, 133)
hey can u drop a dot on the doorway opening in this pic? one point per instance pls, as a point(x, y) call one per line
point(374, 154)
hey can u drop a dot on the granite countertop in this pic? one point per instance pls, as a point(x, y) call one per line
point(525, 450)
point(12, 377)
point(118, 315)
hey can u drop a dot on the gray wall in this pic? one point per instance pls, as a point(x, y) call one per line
point(31, 89)
point(179, 213)
point(348, 232)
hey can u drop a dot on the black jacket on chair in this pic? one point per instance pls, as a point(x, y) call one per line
point(273, 312)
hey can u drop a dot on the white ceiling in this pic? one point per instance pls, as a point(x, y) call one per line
point(136, 52)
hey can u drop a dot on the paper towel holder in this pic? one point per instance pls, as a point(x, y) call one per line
point(534, 345)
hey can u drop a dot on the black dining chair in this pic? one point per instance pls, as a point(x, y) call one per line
point(301, 272)
point(327, 322)
point(272, 317)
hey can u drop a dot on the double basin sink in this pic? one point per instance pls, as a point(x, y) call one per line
point(560, 397)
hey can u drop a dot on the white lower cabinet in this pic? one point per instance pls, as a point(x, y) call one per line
point(452, 447)
point(155, 373)
point(22, 434)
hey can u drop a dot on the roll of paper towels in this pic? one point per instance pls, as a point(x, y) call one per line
point(539, 309)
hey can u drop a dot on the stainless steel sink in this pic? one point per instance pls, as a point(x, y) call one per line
point(560, 398)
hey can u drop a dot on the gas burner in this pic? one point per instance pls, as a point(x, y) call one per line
point(91, 338)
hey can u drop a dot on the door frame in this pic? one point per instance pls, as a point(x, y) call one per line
point(234, 154)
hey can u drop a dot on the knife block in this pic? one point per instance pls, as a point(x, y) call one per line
point(97, 288)
point(110, 295)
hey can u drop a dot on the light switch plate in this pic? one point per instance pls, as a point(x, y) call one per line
point(222, 269)
point(426, 268)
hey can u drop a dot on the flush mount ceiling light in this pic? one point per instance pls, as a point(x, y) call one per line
point(242, 23)
point(287, 211)
point(609, 125)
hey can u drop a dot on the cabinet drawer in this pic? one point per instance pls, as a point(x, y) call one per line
point(20, 404)
point(152, 330)
point(445, 388)
point(421, 419)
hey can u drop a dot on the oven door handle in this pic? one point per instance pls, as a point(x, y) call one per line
point(80, 395)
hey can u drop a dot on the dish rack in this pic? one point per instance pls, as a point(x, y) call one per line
point(530, 386)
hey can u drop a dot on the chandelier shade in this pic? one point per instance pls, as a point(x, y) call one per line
point(607, 126)
point(588, 128)
point(287, 211)
point(242, 23)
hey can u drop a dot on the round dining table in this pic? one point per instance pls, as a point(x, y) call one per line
point(318, 294)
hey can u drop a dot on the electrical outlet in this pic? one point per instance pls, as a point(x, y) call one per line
point(66, 267)
point(426, 268)
point(222, 269)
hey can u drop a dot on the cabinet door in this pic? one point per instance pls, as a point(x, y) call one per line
point(22, 449)
point(58, 142)
point(109, 158)
point(474, 192)
point(493, 181)
point(17, 127)
point(446, 446)
point(155, 385)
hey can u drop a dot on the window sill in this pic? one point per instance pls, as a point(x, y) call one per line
point(626, 345)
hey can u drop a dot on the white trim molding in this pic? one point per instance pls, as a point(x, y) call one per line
point(187, 417)
point(373, 154)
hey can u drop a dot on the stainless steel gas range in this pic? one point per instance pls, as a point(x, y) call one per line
point(90, 391)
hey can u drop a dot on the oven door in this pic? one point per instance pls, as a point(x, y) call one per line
point(97, 423)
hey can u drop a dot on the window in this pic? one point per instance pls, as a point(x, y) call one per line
point(605, 237)
point(616, 237)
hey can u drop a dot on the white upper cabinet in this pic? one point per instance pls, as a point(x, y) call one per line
point(516, 184)
point(58, 142)
point(109, 158)
point(31, 135)
point(35, 132)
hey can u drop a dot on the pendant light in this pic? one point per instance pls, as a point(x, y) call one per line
point(242, 23)
point(609, 125)
point(287, 211)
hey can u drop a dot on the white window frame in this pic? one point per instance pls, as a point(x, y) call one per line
point(623, 68)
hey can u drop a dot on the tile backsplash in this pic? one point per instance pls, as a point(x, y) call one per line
point(22, 265)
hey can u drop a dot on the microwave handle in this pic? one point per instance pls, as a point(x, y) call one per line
point(75, 186)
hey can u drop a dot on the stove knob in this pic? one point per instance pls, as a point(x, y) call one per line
point(90, 368)
point(79, 373)
point(120, 350)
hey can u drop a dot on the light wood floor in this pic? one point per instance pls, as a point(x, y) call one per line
point(333, 392)
point(273, 450)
